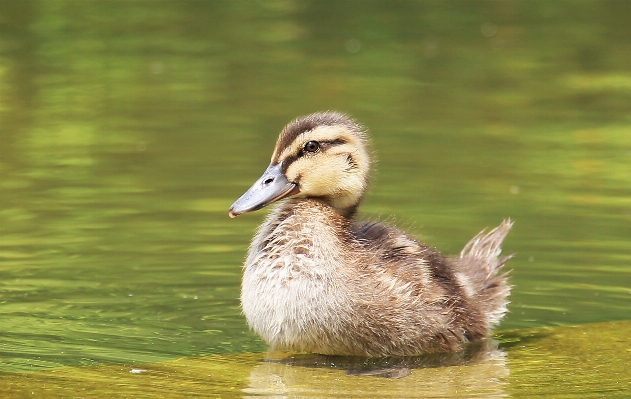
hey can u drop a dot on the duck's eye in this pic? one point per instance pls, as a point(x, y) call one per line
point(311, 146)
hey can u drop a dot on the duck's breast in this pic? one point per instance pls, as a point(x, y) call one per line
point(295, 282)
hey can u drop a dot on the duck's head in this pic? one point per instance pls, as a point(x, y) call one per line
point(322, 155)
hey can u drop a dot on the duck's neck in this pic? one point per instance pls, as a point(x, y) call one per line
point(306, 211)
point(344, 206)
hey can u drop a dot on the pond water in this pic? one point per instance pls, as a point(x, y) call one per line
point(128, 128)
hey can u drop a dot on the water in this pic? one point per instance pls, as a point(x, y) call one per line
point(128, 128)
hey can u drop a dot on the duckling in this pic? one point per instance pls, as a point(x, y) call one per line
point(318, 280)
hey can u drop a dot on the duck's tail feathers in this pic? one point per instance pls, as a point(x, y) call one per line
point(480, 262)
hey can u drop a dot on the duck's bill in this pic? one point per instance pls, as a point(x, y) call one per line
point(270, 187)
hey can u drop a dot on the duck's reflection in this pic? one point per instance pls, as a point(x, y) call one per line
point(479, 369)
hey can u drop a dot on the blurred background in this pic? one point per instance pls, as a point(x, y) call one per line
point(128, 128)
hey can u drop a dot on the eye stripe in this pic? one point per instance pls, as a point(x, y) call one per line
point(289, 160)
point(303, 126)
point(299, 153)
point(324, 144)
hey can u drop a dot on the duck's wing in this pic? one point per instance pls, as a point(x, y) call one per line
point(471, 285)
point(401, 256)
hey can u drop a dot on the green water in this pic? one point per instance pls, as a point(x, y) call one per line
point(128, 128)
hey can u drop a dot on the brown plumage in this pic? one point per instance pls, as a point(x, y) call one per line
point(316, 280)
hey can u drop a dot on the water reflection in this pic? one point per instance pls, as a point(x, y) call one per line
point(390, 367)
point(566, 362)
point(480, 369)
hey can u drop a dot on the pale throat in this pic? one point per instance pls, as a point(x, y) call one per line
point(345, 205)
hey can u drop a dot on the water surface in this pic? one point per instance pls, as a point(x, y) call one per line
point(128, 128)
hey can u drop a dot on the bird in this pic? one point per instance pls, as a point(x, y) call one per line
point(319, 280)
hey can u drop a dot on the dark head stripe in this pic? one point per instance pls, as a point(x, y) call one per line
point(308, 123)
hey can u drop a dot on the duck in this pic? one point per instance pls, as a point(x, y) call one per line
point(319, 280)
